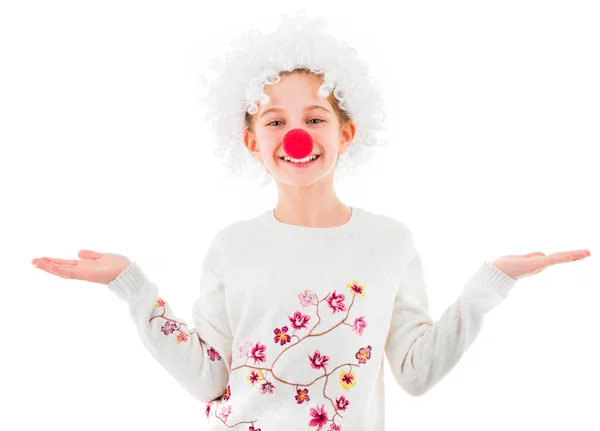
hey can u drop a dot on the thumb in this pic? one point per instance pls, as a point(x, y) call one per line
point(535, 253)
point(88, 254)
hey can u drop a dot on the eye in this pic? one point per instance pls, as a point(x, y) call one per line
point(314, 119)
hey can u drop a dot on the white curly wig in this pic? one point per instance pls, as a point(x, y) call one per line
point(298, 43)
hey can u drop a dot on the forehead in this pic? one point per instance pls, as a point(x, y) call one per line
point(295, 83)
point(297, 90)
point(288, 92)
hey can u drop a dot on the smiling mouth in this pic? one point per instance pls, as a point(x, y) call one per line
point(303, 161)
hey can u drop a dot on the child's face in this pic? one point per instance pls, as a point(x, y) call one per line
point(293, 95)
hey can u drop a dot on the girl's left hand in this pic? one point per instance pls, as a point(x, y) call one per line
point(519, 266)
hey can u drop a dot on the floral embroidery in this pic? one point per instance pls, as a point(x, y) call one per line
point(307, 298)
point(214, 355)
point(227, 393)
point(363, 354)
point(302, 395)
point(281, 336)
point(299, 321)
point(225, 411)
point(342, 403)
point(245, 348)
point(182, 337)
point(319, 417)
point(168, 328)
point(267, 388)
point(171, 326)
point(356, 289)
point(336, 302)
point(257, 352)
point(254, 377)
point(317, 360)
point(347, 379)
point(359, 325)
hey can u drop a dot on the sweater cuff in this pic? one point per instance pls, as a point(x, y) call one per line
point(132, 284)
point(491, 278)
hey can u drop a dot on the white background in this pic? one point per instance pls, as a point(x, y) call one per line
point(493, 151)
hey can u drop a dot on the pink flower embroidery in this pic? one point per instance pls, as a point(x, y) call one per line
point(168, 327)
point(227, 393)
point(319, 417)
point(182, 337)
point(317, 360)
point(245, 348)
point(356, 289)
point(258, 353)
point(160, 303)
point(336, 302)
point(307, 298)
point(299, 320)
point(267, 388)
point(225, 411)
point(363, 354)
point(214, 355)
point(253, 377)
point(302, 395)
point(342, 403)
point(281, 336)
point(359, 325)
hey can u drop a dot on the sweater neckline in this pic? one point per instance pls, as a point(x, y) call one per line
point(272, 222)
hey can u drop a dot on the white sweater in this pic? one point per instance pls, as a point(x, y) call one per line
point(292, 322)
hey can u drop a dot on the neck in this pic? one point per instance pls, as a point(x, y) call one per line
point(313, 206)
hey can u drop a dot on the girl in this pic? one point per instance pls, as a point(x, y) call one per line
point(299, 304)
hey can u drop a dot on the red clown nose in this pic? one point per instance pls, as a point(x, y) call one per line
point(297, 143)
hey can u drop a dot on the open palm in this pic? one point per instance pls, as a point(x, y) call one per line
point(519, 266)
point(94, 267)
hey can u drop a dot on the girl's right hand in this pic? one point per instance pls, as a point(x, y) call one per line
point(95, 267)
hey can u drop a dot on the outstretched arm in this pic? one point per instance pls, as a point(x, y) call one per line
point(420, 351)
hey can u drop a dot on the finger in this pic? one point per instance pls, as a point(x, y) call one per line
point(62, 272)
point(88, 254)
point(583, 253)
point(55, 260)
point(535, 253)
point(573, 254)
point(52, 269)
point(543, 262)
point(563, 257)
point(579, 257)
point(58, 271)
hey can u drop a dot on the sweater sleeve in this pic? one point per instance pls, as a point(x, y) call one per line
point(420, 351)
point(197, 358)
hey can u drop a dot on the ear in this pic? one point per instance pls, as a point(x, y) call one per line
point(252, 145)
point(346, 136)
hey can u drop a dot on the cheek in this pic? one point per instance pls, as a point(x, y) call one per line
point(268, 148)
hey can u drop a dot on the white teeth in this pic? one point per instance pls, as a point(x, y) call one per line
point(304, 160)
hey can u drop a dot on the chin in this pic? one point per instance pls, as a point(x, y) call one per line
point(301, 177)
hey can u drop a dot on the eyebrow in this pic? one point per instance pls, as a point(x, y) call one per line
point(308, 108)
